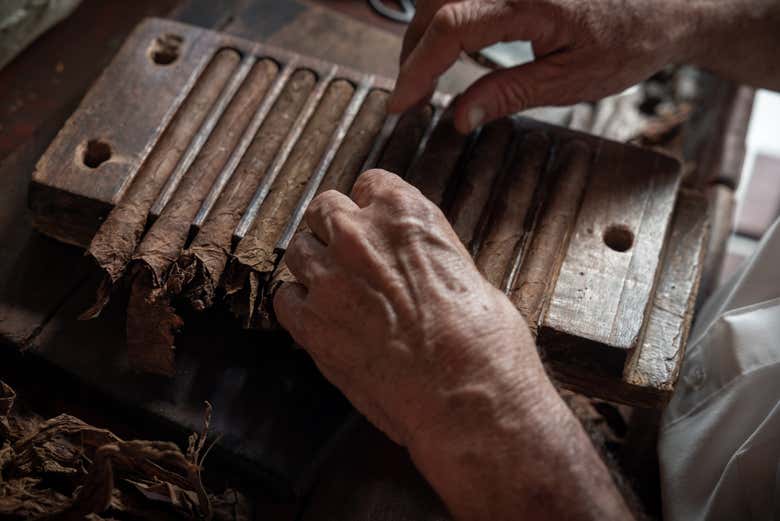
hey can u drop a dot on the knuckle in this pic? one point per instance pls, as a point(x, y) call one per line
point(322, 203)
point(369, 183)
point(408, 200)
point(388, 188)
point(399, 200)
point(446, 20)
point(327, 208)
point(347, 235)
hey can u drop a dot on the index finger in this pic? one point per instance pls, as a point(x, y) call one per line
point(424, 11)
point(464, 26)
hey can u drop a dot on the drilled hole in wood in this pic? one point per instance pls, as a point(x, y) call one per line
point(619, 237)
point(96, 153)
point(165, 49)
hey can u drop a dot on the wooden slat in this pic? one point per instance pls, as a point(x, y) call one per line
point(480, 173)
point(164, 88)
point(512, 211)
point(405, 140)
point(434, 170)
point(551, 233)
point(607, 278)
point(655, 363)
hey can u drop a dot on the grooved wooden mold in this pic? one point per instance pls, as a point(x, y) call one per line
point(188, 178)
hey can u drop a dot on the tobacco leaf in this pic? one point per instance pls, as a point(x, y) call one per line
point(63, 469)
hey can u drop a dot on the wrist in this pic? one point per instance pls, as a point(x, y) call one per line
point(494, 383)
point(482, 467)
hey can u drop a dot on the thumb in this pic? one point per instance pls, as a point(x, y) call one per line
point(512, 90)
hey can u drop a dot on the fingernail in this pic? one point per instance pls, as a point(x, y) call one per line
point(476, 117)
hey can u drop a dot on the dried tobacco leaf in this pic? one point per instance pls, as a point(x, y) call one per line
point(65, 469)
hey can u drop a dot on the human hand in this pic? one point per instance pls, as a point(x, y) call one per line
point(394, 312)
point(584, 50)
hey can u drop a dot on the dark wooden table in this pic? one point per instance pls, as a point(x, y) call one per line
point(323, 461)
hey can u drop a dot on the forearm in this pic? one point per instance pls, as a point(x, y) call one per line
point(737, 39)
point(515, 452)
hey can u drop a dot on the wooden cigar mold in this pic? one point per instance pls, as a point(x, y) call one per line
point(188, 167)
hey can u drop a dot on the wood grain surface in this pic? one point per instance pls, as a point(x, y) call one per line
point(480, 172)
point(655, 363)
point(608, 276)
point(63, 166)
point(512, 212)
point(435, 170)
point(539, 270)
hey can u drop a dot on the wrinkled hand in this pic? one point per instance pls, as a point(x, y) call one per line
point(394, 312)
point(584, 50)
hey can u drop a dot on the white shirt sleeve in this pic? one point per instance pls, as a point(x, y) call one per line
point(719, 445)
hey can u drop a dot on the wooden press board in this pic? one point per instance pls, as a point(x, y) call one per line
point(589, 238)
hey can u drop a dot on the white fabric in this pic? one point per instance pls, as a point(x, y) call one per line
point(719, 445)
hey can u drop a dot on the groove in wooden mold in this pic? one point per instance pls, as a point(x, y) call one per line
point(162, 244)
point(322, 168)
point(403, 144)
point(115, 241)
point(539, 270)
point(422, 146)
point(433, 171)
point(480, 172)
point(341, 176)
point(255, 254)
point(511, 216)
point(243, 145)
point(372, 160)
point(199, 269)
point(265, 186)
point(655, 364)
point(203, 134)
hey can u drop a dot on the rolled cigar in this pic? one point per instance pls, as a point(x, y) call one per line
point(114, 243)
point(511, 215)
point(402, 145)
point(550, 239)
point(147, 333)
point(479, 175)
point(162, 244)
point(199, 269)
point(340, 177)
point(255, 256)
point(434, 171)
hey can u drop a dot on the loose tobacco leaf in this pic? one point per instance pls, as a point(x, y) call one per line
point(65, 469)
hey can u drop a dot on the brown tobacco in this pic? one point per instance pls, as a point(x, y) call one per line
point(340, 177)
point(114, 243)
point(433, 172)
point(150, 335)
point(256, 250)
point(509, 222)
point(401, 147)
point(163, 242)
point(198, 271)
point(479, 175)
point(541, 263)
